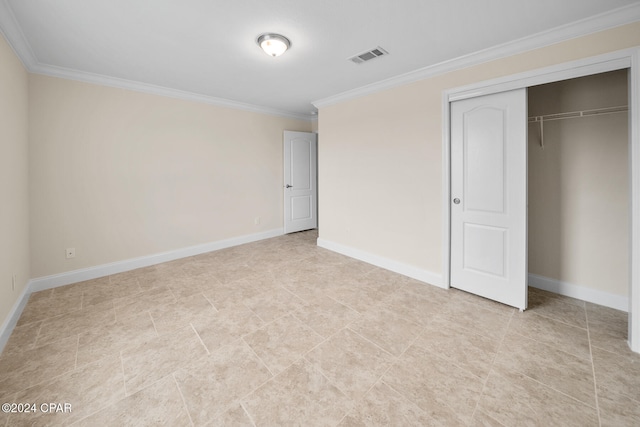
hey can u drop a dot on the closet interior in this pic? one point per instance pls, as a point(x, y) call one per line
point(578, 182)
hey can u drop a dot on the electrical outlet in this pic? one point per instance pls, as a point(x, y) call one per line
point(71, 253)
point(13, 282)
point(256, 221)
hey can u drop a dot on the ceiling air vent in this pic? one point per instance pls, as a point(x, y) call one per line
point(368, 55)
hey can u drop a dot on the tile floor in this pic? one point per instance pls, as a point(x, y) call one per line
point(281, 332)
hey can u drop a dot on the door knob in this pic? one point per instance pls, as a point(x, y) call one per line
point(288, 186)
point(456, 201)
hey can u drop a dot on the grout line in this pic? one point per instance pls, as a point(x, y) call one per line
point(551, 345)
point(493, 361)
point(608, 350)
point(339, 302)
point(300, 357)
point(292, 294)
point(156, 381)
point(153, 323)
point(593, 369)
point(548, 386)
point(75, 365)
point(403, 397)
point(257, 315)
point(380, 380)
point(253, 423)
point(386, 306)
point(442, 316)
point(35, 341)
point(198, 335)
point(491, 416)
point(209, 301)
point(303, 323)
point(323, 341)
point(305, 326)
point(172, 292)
point(140, 290)
point(346, 304)
point(559, 321)
point(100, 409)
point(371, 342)
point(46, 381)
point(260, 358)
point(259, 385)
point(551, 388)
point(342, 419)
point(124, 379)
point(321, 372)
point(393, 363)
point(184, 402)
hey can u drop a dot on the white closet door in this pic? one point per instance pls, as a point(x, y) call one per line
point(489, 196)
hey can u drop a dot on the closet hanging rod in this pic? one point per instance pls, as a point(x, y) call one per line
point(575, 114)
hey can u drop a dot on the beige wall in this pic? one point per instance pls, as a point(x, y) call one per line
point(380, 159)
point(118, 174)
point(14, 208)
point(579, 184)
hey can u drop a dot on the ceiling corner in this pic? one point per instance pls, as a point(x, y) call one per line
point(13, 34)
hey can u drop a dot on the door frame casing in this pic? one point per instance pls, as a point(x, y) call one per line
point(622, 59)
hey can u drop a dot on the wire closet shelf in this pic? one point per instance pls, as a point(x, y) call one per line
point(574, 115)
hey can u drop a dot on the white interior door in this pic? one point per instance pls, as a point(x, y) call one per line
point(300, 181)
point(489, 196)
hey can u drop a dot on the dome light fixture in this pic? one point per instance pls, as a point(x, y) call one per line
point(273, 44)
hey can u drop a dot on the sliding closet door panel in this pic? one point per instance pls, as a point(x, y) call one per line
point(489, 195)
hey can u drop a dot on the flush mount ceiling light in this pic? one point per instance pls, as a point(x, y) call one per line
point(273, 44)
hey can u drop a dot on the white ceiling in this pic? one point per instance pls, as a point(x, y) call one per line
point(207, 47)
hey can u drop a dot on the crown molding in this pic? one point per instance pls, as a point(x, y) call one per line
point(614, 18)
point(12, 32)
point(604, 21)
point(99, 79)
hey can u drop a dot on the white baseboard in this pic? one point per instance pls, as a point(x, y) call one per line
point(67, 278)
point(386, 263)
point(595, 296)
point(53, 281)
point(12, 319)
